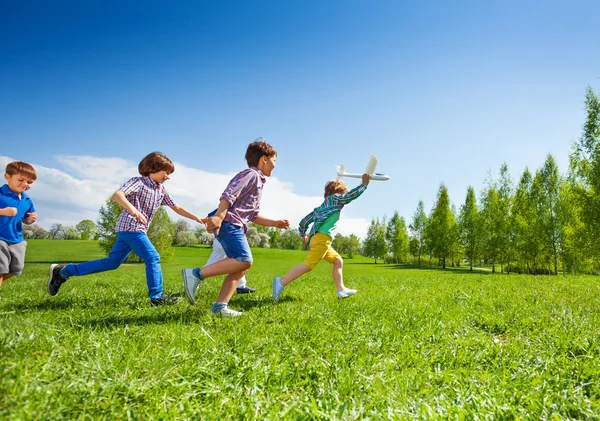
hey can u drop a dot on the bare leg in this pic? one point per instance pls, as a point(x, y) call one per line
point(226, 266)
point(230, 283)
point(5, 276)
point(295, 273)
point(338, 278)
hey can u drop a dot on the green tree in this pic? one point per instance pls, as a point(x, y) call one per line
point(417, 230)
point(375, 245)
point(290, 240)
point(87, 229)
point(469, 227)
point(584, 169)
point(441, 227)
point(523, 220)
point(397, 238)
point(553, 215)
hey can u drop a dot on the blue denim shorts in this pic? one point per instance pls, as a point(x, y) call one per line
point(234, 242)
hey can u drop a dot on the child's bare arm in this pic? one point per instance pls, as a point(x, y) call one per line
point(120, 198)
point(186, 213)
point(267, 222)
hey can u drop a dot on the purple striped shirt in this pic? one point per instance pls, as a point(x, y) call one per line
point(243, 194)
point(146, 195)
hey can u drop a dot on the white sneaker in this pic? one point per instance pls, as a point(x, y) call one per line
point(190, 284)
point(277, 288)
point(227, 312)
point(345, 293)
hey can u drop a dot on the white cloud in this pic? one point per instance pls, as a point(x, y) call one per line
point(84, 183)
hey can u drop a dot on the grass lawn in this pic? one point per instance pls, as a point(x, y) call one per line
point(414, 343)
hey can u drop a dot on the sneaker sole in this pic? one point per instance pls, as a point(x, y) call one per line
point(188, 294)
point(50, 279)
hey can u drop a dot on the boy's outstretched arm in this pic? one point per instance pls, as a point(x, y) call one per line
point(355, 192)
point(121, 199)
point(267, 222)
point(186, 213)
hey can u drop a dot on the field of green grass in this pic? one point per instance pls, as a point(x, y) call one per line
point(413, 343)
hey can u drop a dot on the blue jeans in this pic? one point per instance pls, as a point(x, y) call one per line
point(126, 241)
point(234, 242)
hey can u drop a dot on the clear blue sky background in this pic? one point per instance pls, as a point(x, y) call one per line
point(441, 91)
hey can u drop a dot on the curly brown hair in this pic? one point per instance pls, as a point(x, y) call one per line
point(335, 186)
point(20, 167)
point(155, 162)
point(258, 149)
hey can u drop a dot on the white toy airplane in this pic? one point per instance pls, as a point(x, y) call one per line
point(341, 171)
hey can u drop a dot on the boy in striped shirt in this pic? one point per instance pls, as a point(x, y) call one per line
point(140, 198)
point(240, 204)
point(323, 220)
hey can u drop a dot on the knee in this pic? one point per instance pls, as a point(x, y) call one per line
point(246, 266)
point(338, 263)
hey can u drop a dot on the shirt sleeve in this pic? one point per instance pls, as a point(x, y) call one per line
point(131, 186)
point(167, 199)
point(237, 184)
point(305, 223)
point(353, 194)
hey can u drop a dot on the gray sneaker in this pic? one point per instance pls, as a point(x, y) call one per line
point(277, 288)
point(190, 284)
point(227, 312)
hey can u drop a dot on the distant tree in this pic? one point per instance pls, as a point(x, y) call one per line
point(204, 237)
point(469, 227)
point(264, 240)
point(70, 233)
point(375, 245)
point(34, 231)
point(87, 229)
point(584, 175)
point(253, 237)
point(397, 238)
point(183, 236)
point(553, 216)
point(417, 230)
point(55, 232)
point(290, 240)
point(441, 227)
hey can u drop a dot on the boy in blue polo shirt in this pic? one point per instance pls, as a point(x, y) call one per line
point(16, 208)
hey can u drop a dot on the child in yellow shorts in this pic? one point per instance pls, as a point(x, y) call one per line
point(323, 220)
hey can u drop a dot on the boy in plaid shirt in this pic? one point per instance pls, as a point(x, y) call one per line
point(240, 203)
point(140, 198)
point(323, 220)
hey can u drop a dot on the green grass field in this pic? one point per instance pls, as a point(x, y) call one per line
point(412, 344)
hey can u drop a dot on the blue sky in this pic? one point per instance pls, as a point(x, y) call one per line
point(439, 91)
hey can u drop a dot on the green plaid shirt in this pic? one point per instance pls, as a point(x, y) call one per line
point(330, 205)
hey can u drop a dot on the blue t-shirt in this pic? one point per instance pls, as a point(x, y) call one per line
point(11, 227)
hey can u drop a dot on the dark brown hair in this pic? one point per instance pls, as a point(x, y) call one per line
point(335, 186)
point(19, 167)
point(258, 149)
point(155, 162)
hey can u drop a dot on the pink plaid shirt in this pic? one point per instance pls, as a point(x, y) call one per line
point(146, 195)
point(243, 194)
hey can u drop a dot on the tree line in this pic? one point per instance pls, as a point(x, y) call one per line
point(546, 222)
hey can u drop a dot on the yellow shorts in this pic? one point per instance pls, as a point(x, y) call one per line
point(320, 249)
